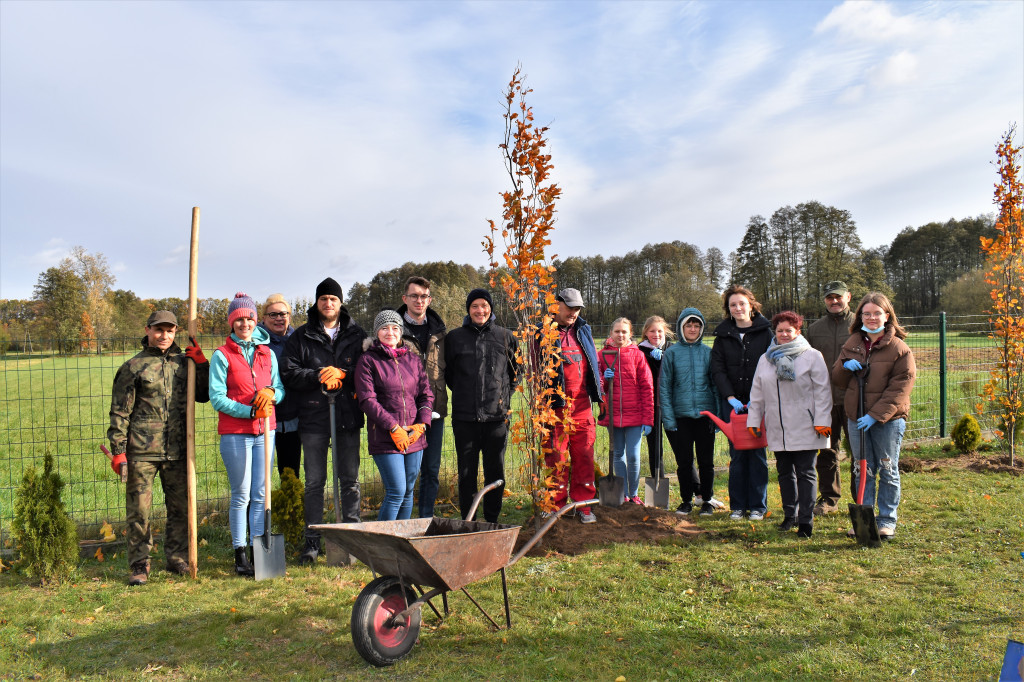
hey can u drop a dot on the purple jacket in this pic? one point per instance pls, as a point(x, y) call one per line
point(391, 391)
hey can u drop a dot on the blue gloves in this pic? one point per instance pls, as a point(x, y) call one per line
point(866, 422)
point(645, 430)
point(609, 373)
point(853, 365)
point(737, 405)
point(656, 354)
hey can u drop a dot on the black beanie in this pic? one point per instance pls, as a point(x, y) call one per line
point(478, 293)
point(328, 287)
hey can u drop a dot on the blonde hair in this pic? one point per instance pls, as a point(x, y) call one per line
point(653, 320)
point(277, 298)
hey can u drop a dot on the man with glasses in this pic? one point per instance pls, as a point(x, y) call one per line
point(277, 322)
point(425, 330)
point(828, 335)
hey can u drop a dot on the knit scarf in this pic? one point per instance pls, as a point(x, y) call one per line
point(783, 356)
point(393, 353)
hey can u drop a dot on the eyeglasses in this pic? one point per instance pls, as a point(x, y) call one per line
point(872, 316)
point(418, 297)
point(277, 316)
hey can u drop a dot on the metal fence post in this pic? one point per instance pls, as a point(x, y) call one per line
point(942, 374)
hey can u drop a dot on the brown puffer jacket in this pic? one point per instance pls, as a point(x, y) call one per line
point(889, 383)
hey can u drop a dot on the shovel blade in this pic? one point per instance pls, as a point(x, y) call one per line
point(610, 490)
point(268, 556)
point(862, 516)
point(656, 491)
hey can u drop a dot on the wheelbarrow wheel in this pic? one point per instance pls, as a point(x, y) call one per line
point(376, 641)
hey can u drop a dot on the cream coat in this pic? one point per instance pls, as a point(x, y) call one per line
point(791, 409)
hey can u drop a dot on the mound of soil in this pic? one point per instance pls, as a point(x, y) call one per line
point(628, 523)
point(974, 461)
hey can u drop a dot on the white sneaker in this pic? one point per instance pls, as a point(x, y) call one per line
point(756, 516)
point(697, 500)
point(717, 503)
point(736, 515)
point(587, 517)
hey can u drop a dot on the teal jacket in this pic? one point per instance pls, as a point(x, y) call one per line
point(219, 373)
point(686, 385)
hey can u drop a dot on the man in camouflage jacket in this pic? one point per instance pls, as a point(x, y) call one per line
point(147, 427)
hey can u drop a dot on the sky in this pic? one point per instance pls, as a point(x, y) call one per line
point(345, 138)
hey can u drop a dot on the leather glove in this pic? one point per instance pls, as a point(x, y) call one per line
point(332, 377)
point(825, 431)
point(264, 399)
point(754, 431)
point(645, 430)
point(737, 405)
point(656, 354)
point(853, 365)
point(609, 373)
point(194, 353)
point(400, 438)
point(416, 432)
point(866, 422)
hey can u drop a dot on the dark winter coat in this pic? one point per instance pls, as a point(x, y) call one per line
point(393, 391)
point(827, 336)
point(433, 355)
point(734, 361)
point(890, 379)
point(481, 370)
point(285, 409)
point(309, 350)
point(686, 387)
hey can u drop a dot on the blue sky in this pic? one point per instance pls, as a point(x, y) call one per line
point(343, 138)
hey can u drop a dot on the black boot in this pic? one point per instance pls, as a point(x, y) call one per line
point(311, 552)
point(242, 565)
point(804, 530)
point(787, 523)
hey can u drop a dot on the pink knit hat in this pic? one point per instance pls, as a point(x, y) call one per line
point(241, 306)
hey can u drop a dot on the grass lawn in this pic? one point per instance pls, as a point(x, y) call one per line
point(742, 601)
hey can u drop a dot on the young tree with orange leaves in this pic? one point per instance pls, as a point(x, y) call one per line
point(522, 270)
point(1005, 260)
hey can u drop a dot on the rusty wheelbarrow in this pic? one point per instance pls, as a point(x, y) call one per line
point(412, 555)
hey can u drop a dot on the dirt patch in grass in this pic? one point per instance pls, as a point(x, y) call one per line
point(974, 461)
point(629, 523)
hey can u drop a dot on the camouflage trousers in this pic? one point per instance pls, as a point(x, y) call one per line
point(139, 502)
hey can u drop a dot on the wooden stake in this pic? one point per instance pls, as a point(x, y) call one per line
point(190, 400)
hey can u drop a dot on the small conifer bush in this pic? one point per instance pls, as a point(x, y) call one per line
point(287, 509)
point(45, 535)
point(967, 434)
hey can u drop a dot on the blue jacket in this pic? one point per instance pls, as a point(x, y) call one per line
point(686, 386)
point(286, 409)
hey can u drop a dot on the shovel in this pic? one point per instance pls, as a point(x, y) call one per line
point(335, 555)
point(862, 516)
point(611, 488)
point(656, 488)
point(268, 550)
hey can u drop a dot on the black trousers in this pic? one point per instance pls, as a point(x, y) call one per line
point(798, 485)
point(694, 435)
point(289, 452)
point(473, 440)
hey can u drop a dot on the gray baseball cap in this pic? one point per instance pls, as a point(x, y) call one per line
point(571, 297)
point(161, 317)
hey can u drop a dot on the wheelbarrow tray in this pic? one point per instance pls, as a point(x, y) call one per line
point(442, 553)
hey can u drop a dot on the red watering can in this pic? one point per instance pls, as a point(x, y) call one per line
point(736, 431)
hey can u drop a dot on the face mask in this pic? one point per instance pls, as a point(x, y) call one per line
point(873, 331)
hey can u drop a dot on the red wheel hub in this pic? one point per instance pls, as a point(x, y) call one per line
point(390, 636)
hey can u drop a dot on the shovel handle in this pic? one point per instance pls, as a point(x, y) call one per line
point(124, 467)
point(266, 469)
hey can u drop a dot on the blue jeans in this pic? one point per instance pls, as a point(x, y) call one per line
point(398, 474)
point(748, 480)
point(882, 454)
point(626, 456)
point(430, 467)
point(243, 459)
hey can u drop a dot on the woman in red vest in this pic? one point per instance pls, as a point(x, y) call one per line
point(244, 386)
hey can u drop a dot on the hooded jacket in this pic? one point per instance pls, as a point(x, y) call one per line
point(734, 359)
point(309, 350)
point(285, 410)
point(433, 355)
point(686, 387)
point(393, 391)
point(890, 379)
point(238, 370)
point(791, 409)
point(632, 388)
point(827, 335)
point(481, 370)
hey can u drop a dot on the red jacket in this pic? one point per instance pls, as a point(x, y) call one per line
point(243, 382)
point(632, 389)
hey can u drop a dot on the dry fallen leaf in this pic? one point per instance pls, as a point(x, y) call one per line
point(99, 554)
point(97, 609)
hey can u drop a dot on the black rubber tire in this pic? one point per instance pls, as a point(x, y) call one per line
point(379, 644)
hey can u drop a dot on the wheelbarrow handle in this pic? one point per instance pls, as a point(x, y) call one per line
point(480, 495)
point(547, 526)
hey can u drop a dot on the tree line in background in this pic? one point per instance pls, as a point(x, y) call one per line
point(785, 260)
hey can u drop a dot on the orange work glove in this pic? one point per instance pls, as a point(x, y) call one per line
point(401, 438)
point(824, 431)
point(417, 432)
point(332, 377)
point(754, 431)
point(194, 353)
point(264, 399)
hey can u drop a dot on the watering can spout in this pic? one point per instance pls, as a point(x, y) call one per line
point(736, 431)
